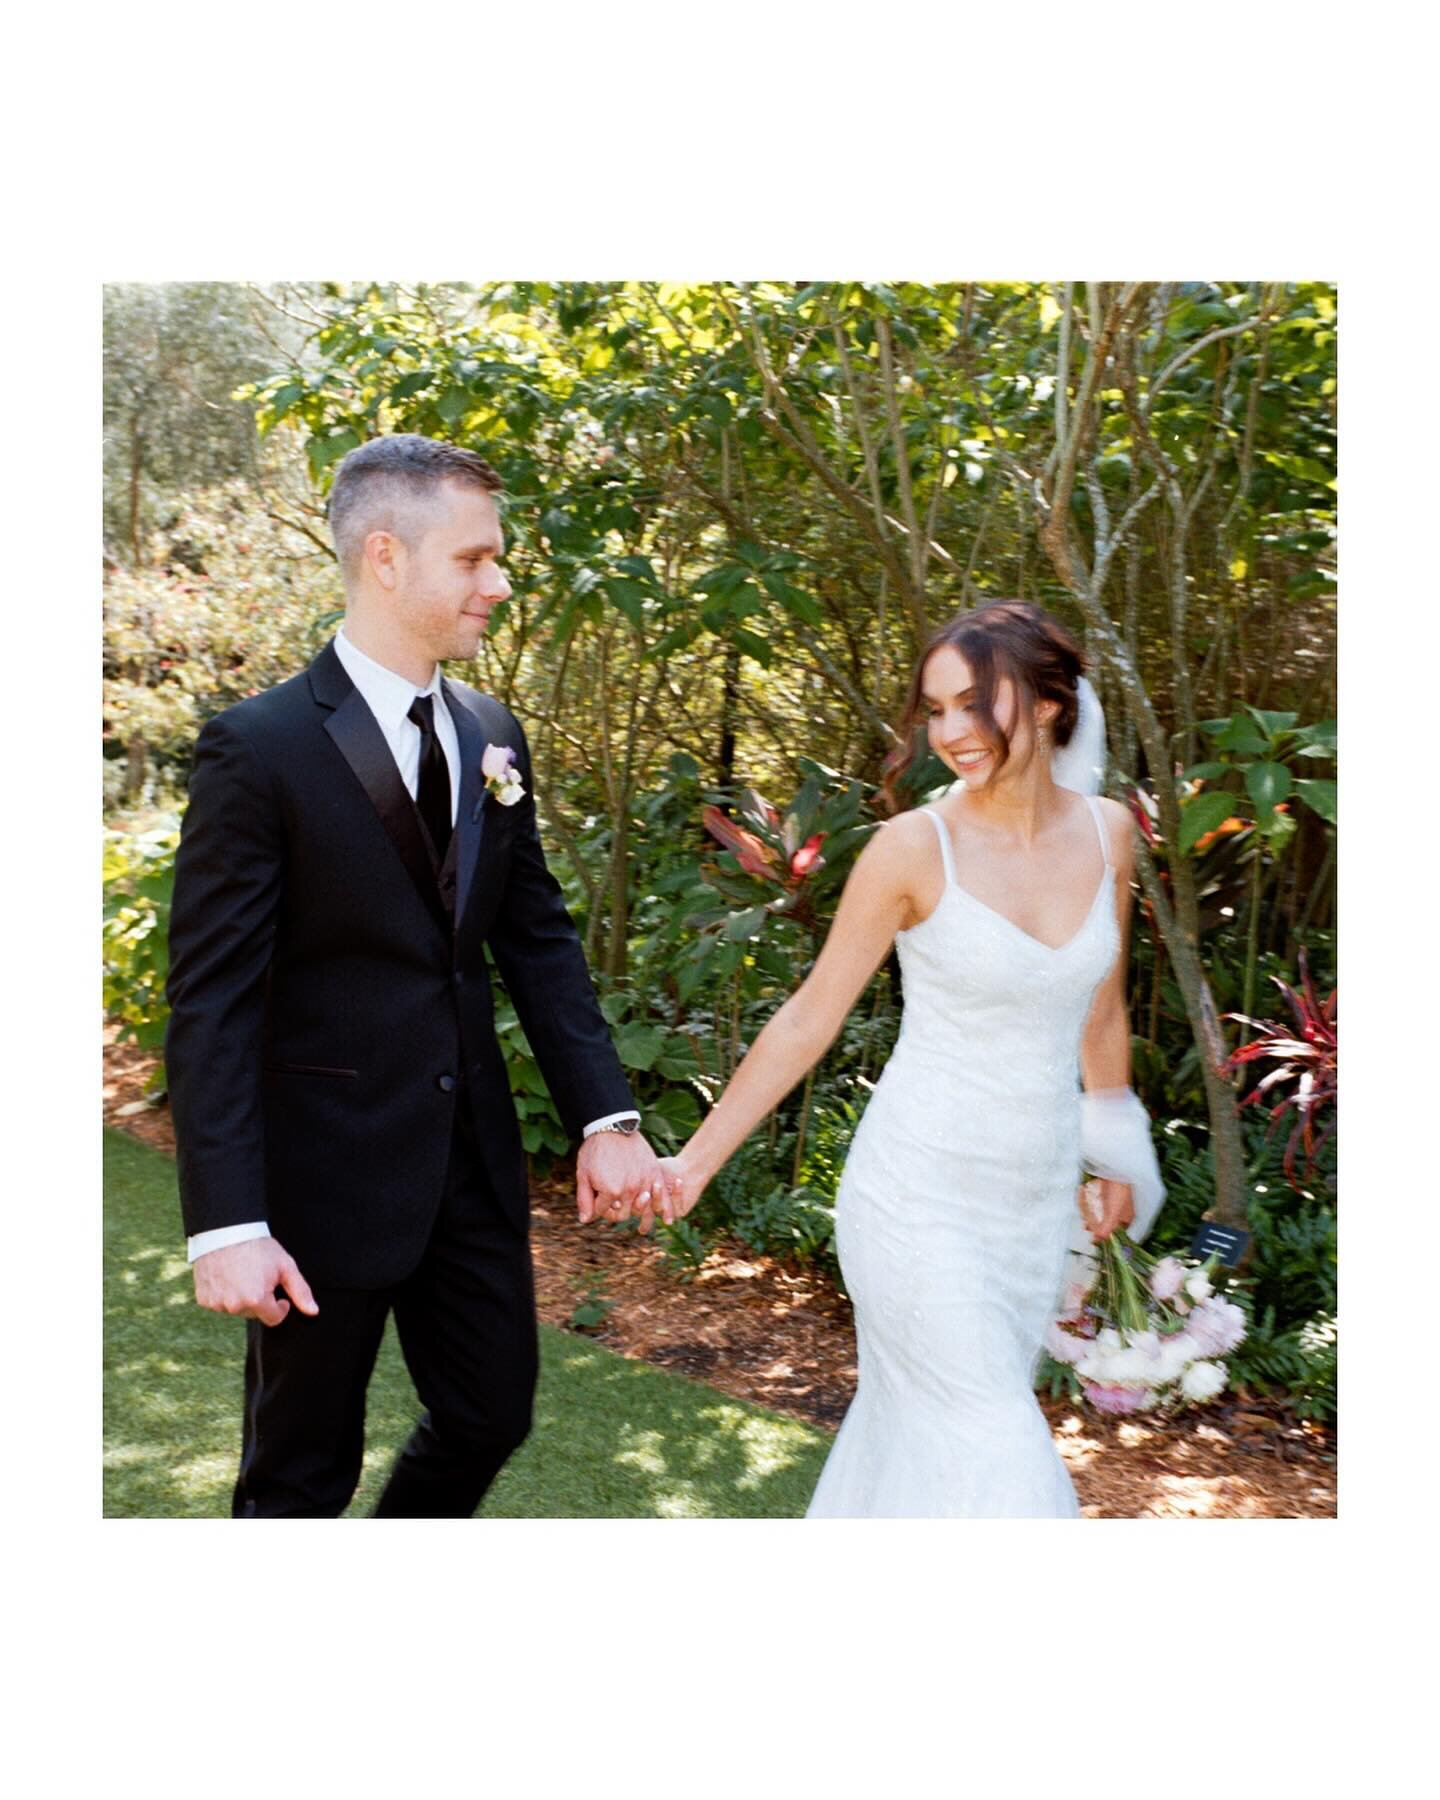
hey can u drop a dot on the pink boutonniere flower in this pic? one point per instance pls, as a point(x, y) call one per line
point(502, 778)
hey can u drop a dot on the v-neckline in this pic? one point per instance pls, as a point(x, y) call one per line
point(1019, 930)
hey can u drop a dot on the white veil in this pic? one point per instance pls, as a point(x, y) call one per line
point(1080, 764)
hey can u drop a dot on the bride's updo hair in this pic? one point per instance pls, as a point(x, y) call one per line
point(1000, 638)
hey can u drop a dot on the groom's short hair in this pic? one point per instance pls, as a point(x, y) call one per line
point(392, 484)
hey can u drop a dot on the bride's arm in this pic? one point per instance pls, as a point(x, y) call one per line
point(875, 905)
point(1114, 1129)
point(1105, 1046)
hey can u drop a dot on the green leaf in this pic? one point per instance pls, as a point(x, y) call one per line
point(680, 638)
point(410, 384)
point(743, 926)
point(678, 1107)
point(1277, 828)
point(1268, 783)
point(629, 597)
point(1241, 735)
point(1318, 737)
point(453, 405)
point(1272, 723)
point(1202, 814)
point(1207, 771)
point(1320, 795)
point(795, 602)
point(638, 1045)
point(752, 646)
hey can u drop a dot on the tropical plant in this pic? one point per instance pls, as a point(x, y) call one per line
point(1306, 1059)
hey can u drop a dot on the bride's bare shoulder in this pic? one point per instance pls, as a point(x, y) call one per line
point(898, 839)
point(894, 866)
point(1120, 825)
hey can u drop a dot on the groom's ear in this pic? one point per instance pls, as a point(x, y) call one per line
point(382, 552)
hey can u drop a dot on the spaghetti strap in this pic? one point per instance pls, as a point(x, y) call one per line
point(1095, 814)
point(944, 837)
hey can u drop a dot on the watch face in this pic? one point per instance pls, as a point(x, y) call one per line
point(628, 1126)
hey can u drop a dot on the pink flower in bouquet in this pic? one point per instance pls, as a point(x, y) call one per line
point(1062, 1346)
point(1167, 1278)
point(1216, 1326)
point(1073, 1303)
point(1113, 1399)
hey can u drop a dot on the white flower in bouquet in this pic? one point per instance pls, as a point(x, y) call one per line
point(1176, 1352)
point(1197, 1286)
point(1203, 1380)
point(1167, 1278)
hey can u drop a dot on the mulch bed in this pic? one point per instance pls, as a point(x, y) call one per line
point(760, 1331)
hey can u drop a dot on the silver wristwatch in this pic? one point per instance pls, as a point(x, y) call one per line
point(627, 1127)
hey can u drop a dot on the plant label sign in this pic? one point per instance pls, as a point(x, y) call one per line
point(1225, 1241)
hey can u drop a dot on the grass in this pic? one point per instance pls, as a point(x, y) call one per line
point(613, 1439)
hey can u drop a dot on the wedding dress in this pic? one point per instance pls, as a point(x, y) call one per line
point(955, 1210)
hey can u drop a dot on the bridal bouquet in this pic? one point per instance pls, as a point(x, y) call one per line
point(1148, 1332)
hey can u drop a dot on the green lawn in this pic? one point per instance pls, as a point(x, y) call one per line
point(613, 1439)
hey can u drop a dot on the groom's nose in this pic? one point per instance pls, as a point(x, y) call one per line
point(493, 583)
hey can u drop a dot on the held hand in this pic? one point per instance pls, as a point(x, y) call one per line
point(615, 1179)
point(242, 1278)
point(1106, 1206)
point(684, 1183)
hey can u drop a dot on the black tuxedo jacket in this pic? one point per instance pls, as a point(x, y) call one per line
point(329, 992)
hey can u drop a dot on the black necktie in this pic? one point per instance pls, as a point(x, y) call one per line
point(433, 793)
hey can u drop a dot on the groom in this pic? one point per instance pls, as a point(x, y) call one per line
point(347, 1142)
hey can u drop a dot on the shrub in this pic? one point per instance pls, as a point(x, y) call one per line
point(137, 877)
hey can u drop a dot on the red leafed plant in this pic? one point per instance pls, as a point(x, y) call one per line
point(1305, 1056)
point(753, 854)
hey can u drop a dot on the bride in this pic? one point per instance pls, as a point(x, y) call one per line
point(1008, 904)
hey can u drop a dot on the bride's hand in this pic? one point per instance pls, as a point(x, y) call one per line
point(1106, 1206)
point(674, 1189)
point(683, 1184)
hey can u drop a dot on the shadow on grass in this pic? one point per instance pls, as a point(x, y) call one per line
point(613, 1439)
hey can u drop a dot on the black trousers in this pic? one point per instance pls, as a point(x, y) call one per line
point(466, 1323)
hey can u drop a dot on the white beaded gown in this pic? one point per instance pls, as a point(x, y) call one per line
point(954, 1212)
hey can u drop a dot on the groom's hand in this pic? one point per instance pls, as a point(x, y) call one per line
point(615, 1177)
point(242, 1279)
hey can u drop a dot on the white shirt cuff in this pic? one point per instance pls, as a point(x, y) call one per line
point(609, 1119)
point(205, 1241)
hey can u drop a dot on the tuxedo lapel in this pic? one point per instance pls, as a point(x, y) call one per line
point(470, 811)
point(361, 742)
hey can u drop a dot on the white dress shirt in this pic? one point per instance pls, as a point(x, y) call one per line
point(389, 697)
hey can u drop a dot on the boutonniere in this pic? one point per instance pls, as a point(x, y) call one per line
point(502, 778)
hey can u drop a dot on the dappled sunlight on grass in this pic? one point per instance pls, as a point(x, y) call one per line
point(613, 1438)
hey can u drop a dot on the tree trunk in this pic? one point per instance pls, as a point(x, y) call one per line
point(1226, 1142)
point(617, 946)
point(729, 708)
